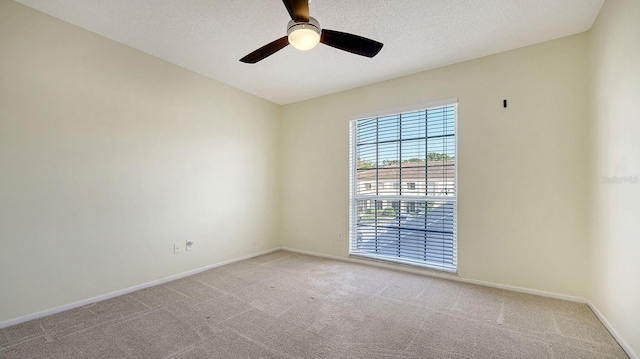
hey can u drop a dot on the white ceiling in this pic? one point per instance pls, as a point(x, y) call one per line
point(210, 36)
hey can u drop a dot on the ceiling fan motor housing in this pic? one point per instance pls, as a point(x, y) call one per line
point(313, 24)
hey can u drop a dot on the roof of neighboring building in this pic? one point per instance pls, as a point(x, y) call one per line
point(411, 171)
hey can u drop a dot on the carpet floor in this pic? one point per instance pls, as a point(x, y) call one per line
point(288, 305)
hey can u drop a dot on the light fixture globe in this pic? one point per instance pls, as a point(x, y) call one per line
point(304, 35)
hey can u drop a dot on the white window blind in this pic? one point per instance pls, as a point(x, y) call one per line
point(403, 188)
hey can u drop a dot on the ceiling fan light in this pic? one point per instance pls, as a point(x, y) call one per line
point(304, 35)
point(304, 39)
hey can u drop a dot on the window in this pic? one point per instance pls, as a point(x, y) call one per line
point(411, 207)
point(431, 188)
point(413, 223)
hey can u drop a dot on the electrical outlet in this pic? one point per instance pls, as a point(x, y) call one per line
point(189, 245)
point(339, 236)
point(177, 248)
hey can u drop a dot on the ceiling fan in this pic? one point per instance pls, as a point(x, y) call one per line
point(304, 33)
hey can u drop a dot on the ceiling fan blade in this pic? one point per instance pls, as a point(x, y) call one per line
point(298, 9)
point(352, 43)
point(266, 50)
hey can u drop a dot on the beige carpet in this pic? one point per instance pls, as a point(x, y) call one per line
point(286, 305)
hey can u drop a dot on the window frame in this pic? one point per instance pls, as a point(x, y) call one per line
point(354, 197)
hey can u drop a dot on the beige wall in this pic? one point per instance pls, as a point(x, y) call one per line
point(615, 214)
point(522, 210)
point(108, 156)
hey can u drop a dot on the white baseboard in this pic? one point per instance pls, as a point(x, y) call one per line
point(118, 293)
point(444, 275)
point(625, 346)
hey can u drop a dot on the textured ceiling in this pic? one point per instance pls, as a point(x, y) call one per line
point(210, 36)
